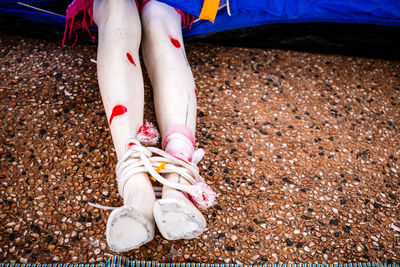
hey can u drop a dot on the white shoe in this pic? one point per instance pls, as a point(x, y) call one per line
point(178, 220)
point(128, 229)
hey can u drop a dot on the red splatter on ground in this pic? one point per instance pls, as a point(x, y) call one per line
point(130, 58)
point(175, 42)
point(117, 111)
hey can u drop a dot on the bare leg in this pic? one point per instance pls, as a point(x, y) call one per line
point(175, 103)
point(121, 87)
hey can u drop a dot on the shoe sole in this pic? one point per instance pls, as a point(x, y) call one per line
point(177, 220)
point(128, 229)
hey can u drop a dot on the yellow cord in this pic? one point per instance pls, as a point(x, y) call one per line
point(159, 168)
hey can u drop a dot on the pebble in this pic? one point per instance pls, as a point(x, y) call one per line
point(293, 141)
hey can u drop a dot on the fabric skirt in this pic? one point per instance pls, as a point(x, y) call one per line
point(79, 16)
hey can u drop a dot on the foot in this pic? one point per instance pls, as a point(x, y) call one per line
point(127, 229)
point(178, 219)
point(132, 225)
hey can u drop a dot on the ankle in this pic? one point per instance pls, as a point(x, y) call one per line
point(139, 194)
point(179, 141)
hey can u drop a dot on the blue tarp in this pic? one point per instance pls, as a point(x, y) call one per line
point(244, 13)
point(28, 10)
point(235, 14)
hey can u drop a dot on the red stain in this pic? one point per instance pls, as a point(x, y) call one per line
point(190, 197)
point(117, 110)
point(130, 58)
point(180, 159)
point(195, 92)
point(131, 144)
point(144, 130)
point(175, 42)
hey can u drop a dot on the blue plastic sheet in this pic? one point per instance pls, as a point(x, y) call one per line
point(235, 14)
point(247, 13)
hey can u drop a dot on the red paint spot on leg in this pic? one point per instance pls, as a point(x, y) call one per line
point(130, 58)
point(175, 42)
point(117, 111)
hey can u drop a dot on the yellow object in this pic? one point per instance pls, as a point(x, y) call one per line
point(209, 10)
point(159, 168)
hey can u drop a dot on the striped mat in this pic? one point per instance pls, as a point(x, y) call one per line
point(118, 261)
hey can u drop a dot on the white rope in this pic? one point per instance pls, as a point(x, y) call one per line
point(228, 8)
point(139, 159)
point(157, 188)
point(101, 206)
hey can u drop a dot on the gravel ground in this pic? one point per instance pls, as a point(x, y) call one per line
point(302, 148)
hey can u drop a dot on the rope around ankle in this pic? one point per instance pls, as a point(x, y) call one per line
point(138, 159)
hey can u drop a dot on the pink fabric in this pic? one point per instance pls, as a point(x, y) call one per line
point(148, 134)
point(72, 11)
point(181, 129)
point(86, 6)
point(187, 19)
point(77, 6)
point(202, 196)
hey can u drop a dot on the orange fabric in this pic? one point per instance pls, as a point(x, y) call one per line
point(209, 10)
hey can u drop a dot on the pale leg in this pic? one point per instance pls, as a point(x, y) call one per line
point(175, 104)
point(122, 91)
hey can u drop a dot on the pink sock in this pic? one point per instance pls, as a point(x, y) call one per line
point(179, 141)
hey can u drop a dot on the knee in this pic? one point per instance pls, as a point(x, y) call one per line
point(116, 13)
point(159, 16)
